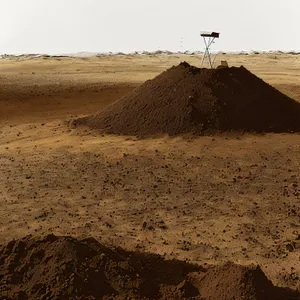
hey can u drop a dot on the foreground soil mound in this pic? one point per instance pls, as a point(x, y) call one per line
point(186, 99)
point(236, 282)
point(66, 268)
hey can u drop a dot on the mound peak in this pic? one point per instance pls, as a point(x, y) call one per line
point(232, 281)
point(187, 99)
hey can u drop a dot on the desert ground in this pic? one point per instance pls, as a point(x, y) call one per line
point(206, 200)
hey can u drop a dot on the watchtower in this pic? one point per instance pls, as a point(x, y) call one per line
point(209, 38)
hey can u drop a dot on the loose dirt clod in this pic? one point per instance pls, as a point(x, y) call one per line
point(66, 268)
point(186, 99)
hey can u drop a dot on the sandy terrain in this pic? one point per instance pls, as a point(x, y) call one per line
point(206, 200)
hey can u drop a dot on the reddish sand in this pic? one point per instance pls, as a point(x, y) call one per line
point(200, 201)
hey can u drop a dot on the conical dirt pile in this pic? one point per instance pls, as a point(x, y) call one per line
point(236, 282)
point(186, 99)
point(67, 268)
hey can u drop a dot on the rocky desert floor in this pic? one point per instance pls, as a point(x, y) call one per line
point(205, 200)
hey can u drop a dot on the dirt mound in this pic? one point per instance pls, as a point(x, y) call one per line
point(66, 268)
point(236, 282)
point(186, 99)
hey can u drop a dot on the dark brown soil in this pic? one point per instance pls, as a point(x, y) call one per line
point(66, 268)
point(186, 99)
point(237, 282)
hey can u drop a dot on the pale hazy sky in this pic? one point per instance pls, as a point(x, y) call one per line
point(68, 26)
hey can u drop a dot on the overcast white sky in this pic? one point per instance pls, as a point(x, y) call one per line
point(68, 26)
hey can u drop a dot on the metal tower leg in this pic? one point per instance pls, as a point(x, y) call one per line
point(207, 52)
